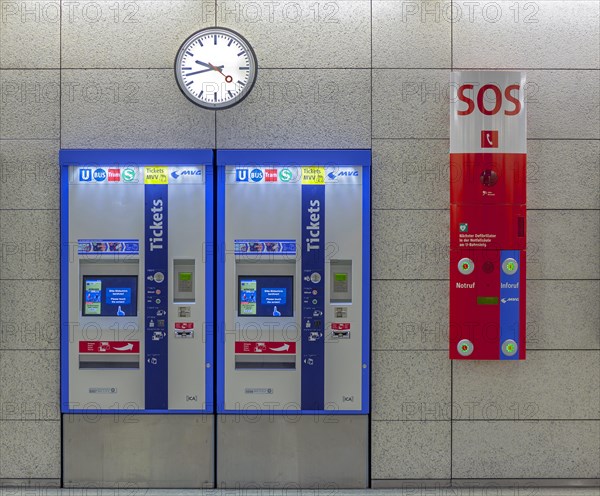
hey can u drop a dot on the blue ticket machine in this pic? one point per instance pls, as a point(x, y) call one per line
point(293, 338)
point(137, 313)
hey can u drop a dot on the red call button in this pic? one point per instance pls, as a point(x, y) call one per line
point(182, 326)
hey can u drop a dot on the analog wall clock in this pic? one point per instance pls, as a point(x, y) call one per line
point(216, 68)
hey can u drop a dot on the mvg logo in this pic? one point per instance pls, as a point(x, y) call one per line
point(343, 173)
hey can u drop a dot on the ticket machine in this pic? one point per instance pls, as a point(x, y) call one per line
point(293, 278)
point(488, 157)
point(136, 312)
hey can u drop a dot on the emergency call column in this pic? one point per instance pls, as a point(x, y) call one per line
point(488, 156)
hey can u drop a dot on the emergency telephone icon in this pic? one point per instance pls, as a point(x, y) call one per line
point(489, 139)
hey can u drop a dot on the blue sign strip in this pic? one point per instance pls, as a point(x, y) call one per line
point(313, 297)
point(265, 247)
point(108, 246)
point(509, 303)
point(156, 297)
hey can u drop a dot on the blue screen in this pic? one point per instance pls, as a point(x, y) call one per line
point(266, 296)
point(114, 296)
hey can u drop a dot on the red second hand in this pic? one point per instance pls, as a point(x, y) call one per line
point(228, 79)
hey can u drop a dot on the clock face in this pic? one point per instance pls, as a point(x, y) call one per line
point(216, 68)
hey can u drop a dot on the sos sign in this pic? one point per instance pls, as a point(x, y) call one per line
point(489, 99)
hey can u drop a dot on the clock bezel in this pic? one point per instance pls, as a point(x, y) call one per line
point(251, 79)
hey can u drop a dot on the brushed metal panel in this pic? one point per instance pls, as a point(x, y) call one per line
point(292, 451)
point(145, 451)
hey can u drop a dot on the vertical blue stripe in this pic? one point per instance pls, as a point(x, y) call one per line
point(313, 262)
point(366, 294)
point(510, 303)
point(64, 288)
point(209, 288)
point(156, 306)
point(220, 331)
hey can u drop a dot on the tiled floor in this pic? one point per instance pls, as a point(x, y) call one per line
point(491, 491)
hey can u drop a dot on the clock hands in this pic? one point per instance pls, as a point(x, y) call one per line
point(228, 79)
point(199, 72)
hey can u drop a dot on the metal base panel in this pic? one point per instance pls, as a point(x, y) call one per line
point(293, 451)
point(138, 451)
point(487, 486)
point(34, 486)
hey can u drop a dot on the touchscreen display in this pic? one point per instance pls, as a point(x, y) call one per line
point(266, 296)
point(114, 296)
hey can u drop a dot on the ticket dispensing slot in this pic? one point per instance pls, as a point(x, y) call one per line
point(184, 290)
point(109, 301)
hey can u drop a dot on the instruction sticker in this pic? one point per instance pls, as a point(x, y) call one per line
point(156, 175)
point(313, 175)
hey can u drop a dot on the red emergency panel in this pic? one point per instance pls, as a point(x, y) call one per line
point(488, 226)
